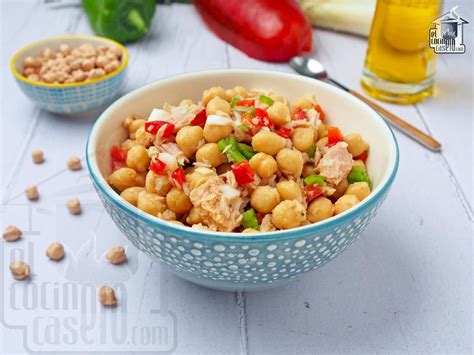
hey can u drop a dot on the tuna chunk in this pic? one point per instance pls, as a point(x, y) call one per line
point(336, 164)
point(218, 204)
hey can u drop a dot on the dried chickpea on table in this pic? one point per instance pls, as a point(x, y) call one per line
point(72, 65)
point(240, 161)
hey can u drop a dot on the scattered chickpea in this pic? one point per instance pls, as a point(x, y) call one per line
point(55, 251)
point(74, 163)
point(344, 203)
point(32, 192)
point(11, 233)
point(74, 206)
point(19, 270)
point(107, 296)
point(38, 156)
point(116, 255)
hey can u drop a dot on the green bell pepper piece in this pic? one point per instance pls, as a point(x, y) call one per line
point(359, 174)
point(312, 151)
point(233, 152)
point(121, 20)
point(314, 179)
point(249, 219)
point(265, 100)
point(246, 150)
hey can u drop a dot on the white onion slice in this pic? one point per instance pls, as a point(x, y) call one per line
point(229, 191)
point(215, 120)
point(203, 171)
point(169, 160)
point(159, 115)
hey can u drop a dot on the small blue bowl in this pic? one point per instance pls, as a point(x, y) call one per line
point(230, 261)
point(72, 97)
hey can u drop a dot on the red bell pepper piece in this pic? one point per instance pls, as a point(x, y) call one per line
point(118, 153)
point(283, 132)
point(322, 115)
point(267, 30)
point(312, 192)
point(245, 103)
point(200, 119)
point(157, 166)
point(334, 136)
point(179, 176)
point(363, 156)
point(298, 114)
point(243, 172)
point(263, 119)
point(153, 127)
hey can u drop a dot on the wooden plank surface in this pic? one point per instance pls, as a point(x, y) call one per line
point(406, 287)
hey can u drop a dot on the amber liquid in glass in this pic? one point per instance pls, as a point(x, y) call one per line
point(400, 65)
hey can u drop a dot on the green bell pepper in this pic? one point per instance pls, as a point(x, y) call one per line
point(121, 20)
point(359, 174)
point(249, 219)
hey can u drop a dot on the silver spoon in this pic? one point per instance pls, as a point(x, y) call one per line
point(312, 68)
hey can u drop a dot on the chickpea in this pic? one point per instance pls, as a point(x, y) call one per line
point(140, 181)
point(250, 230)
point(207, 95)
point(29, 62)
point(196, 179)
point(264, 165)
point(96, 73)
point(210, 154)
point(74, 163)
point(134, 126)
point(158, 184)
point(340, 189)
point(55, 251)
point(76, 64)
point(151, 203)
point(117, 51)
point(38, 156)
point(279, 113)
point(12, 233)
point(193, 217)
point(64, 49)
point(241, 91)
point(48, 53)
point(268, 142)
point(122, 179)
point(359, 189)
point(116, 255)
point(111, 66)
point(74, 206)
point(344, 203)
point(87, 64)
point(290, 162)
point(289, 190)
point(214, 133)
point(168, 215)
point(303, 138)
point(356, 145)
point(188, 139)
point(29, 71)
point(129, 143)
point(34, 77)
point(32, 192)
point(322, 145)
point(178, 201)
point(19, 270)
point(217, 104)
point(304, 103)
point(101, 61)
point(143, 138)
point(79, 75)
point(360, 163)
point(230, 94)
point(322, 130)
point(278, 98)
point(106, 296)
point(131, 194)
point(288, 214)
point(320, 209)
point(138, 159)
point(264, 199)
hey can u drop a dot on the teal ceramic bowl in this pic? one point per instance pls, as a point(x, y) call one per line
point(229, 261)
point(73, 97)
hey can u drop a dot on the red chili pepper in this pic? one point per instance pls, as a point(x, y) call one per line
point(243, 172)
point(322, 115)
point(157, 166)
point(179, 176)
point(245, 103)
point(200, 119)
point(263, 119)
point(298, 114)
point(118, 154)
point(334, 136)
point(284, 132)
point(153, 127)
point(362, 156)
point(264, 29)
point(312, 192)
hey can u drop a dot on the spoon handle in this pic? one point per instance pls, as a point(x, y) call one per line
point(405, 127)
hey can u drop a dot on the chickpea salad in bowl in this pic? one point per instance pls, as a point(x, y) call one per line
point(240, 161)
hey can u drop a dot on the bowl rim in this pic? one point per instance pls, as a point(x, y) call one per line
point(329, 223)
point(31, 45)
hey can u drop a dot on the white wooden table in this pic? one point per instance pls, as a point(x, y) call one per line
point(405, 287)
